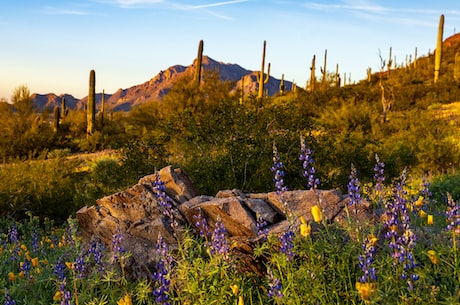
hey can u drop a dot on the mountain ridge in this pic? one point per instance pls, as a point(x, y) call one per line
point(159, 85)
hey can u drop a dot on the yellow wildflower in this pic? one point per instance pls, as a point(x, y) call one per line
point(28, 256)
point(21, 274)
point(38, 270)
point(422, 214)
point(419, 201)
point(11, 276)
point(240, 300)
point(57, 296)
point(69, 265)
point(430, 219)
point(34, 262)
point(235, 289)
point(24, 247)
point(432, 256)
point(366, 290)
point(305, 229)
point(126, 300)
point(317, 214)
point(45, 261)
point(372, 239)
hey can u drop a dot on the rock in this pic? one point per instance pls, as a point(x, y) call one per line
point(138, 214)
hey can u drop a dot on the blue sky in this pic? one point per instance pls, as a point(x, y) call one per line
point(51, 45)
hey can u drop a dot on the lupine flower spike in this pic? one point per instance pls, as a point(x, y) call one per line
point(278, 169)
point(354, 187)
point(161, 276)
point(309, 170)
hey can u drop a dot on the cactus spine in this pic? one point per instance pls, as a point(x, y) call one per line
point(323, 70)
point(312, 74)
point(261, 79)
point(437, 60)
point(199, 60)
point(56, 118)
point(282, 86)
point(91, 108)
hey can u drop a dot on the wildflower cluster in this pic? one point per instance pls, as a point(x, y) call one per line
point(402, 238)
point(116, 243)
point(275, 287)
point(379, 175)
point(201, 224)
point(262, 229)
point(452, 215)
point(287, 244)
point(354, 187)
point(367, 258)
point(165, 202)
point(278, 169)
point(309, 170)
point(162, 274)
point(219, 244)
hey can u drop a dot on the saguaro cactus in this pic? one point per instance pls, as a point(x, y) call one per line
point(91, 108)
point(415, 58)
point(457, 67)
point(261, 79)
point(64, 110)
point(312, 74)
point(438, 55)
point(199, 60)
point(323, 69)
point(56, 119)
point(337, 76)
point(390, 62)
point(282, 86)
point(102, 111)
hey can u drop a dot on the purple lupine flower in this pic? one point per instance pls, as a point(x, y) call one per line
point(379, 177)
point(402, 238)
point(116, 243)
point(309, 170)
point(96, 250)
point(165, 202)
point(425, 188)
point(8, 299)
point(202, 224)
point(25, 267)
point(59, 269)
point(278, 169)
point(275, 287)
point(161, 276)
point(262, 229)
point(287, 244)
point(35, 241)
point(366, 260)
point(219, 243)
point(452, 215)
point(80, 266)
point(13, 234)
point(354, 187)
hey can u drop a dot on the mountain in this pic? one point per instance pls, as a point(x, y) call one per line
point(158, 86)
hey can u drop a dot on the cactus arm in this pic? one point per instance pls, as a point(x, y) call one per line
point(438, 54)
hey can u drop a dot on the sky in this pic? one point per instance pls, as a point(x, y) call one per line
point(50, 46)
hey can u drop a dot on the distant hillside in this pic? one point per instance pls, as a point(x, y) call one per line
point(158, 86)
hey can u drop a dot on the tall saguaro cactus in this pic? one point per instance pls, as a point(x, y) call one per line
point(312, 74)
point(390, 61)
point(91, 108)
point(64, 110)
point(261, 79)
point(323, 70)
point(56, 119)
point(102, 111)
point(438, 55)
point(199, 60)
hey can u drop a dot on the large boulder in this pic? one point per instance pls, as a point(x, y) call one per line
point(137, 213)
